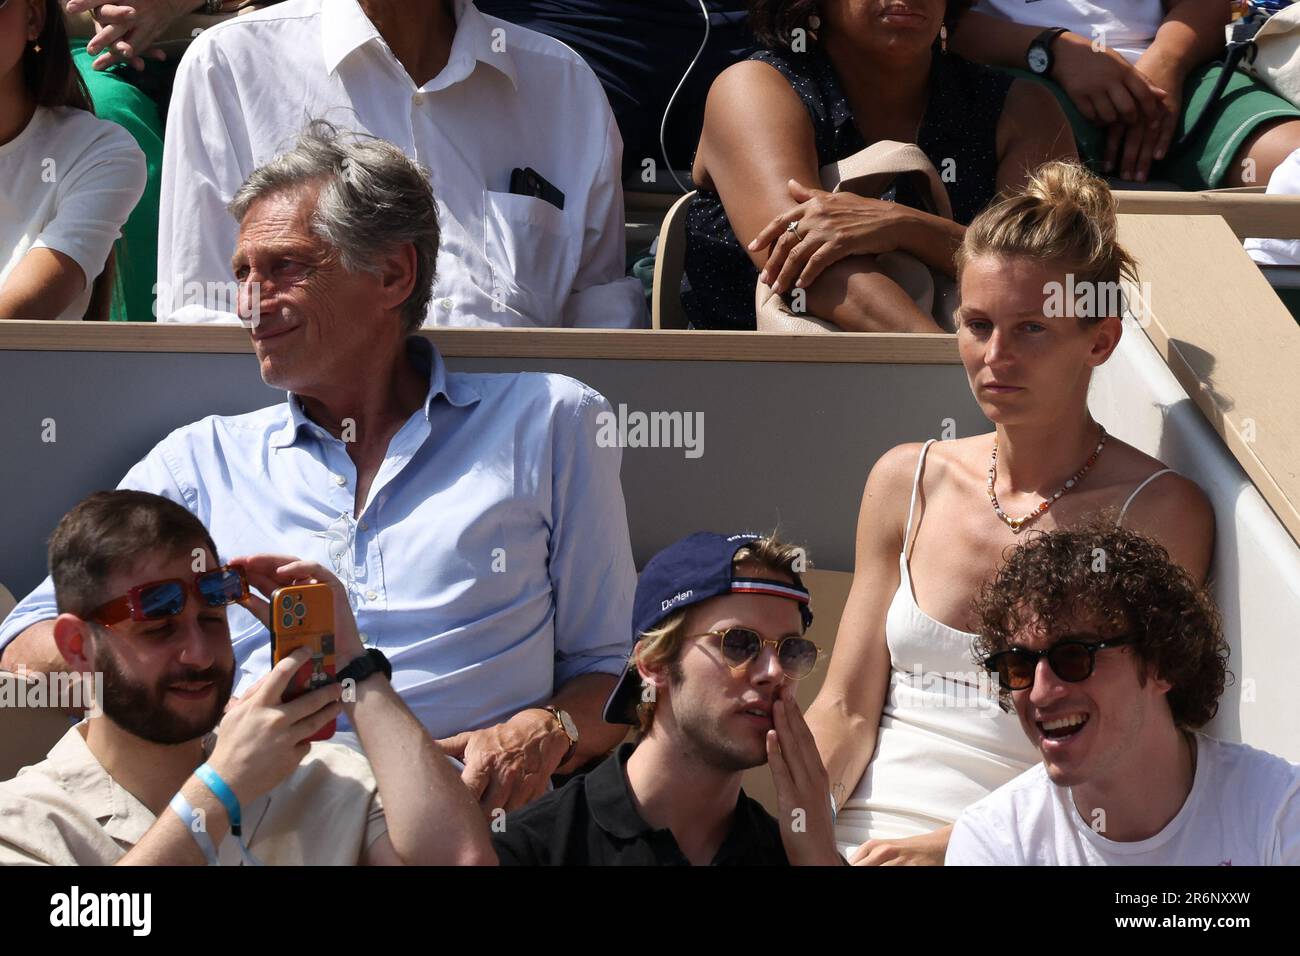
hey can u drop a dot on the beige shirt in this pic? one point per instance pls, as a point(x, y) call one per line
point(67, 811)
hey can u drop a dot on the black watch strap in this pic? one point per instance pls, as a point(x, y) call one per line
point(1049, 35)
point(371, 662)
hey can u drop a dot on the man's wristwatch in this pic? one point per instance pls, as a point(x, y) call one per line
point(371, 662)
point(570, 730)
point(1039, 55)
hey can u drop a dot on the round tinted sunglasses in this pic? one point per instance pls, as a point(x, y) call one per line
point(162, 599)
point(740, 645)
point(1072, 661)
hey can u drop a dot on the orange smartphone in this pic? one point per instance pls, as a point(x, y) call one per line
point(303, 616)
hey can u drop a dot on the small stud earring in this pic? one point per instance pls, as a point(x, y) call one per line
point(36, 48)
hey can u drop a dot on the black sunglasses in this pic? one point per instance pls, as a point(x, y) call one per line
point(740, 645)
point(1072, 661)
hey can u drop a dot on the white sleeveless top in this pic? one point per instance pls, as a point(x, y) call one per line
point(1125, 26)
point(943, 741)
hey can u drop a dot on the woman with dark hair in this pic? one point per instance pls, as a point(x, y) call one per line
point(837, 76)
point(70, 179)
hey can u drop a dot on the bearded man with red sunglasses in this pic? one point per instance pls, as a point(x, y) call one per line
point(1113, 657)
point(719, 622)
point(142, 602)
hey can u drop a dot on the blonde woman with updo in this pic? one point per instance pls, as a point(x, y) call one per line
point(908, 734)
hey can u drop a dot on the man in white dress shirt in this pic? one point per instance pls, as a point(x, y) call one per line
point(471, 97)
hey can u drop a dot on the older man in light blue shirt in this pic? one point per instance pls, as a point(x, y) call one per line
point(478, 525)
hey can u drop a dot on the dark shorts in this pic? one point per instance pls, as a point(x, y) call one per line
point(640, 50)
point(1202, 163)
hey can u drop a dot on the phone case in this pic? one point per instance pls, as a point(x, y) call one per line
point(303, 616)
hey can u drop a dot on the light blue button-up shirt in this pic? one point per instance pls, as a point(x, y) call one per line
point(491, 562)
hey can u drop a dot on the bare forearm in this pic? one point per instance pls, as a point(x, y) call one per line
point(932, 239)
point(942, 836)
point(856, 296)
point(584, 698)
point(34, 650)
point(43, 284)
point(1191, 34)
point(846, 743)
point(432, 818)
point(171, 840)
point(28, 307)
point(992, 40)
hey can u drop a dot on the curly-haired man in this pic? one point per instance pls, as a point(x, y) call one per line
point(1112, 657)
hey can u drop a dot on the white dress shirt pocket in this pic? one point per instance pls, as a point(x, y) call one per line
point(528, 249)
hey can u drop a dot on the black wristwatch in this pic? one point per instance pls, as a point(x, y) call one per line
point(1039, 55)
point(371, 662)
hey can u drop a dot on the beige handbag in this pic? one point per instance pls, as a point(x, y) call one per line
point(869, 173)
point(1273, 56)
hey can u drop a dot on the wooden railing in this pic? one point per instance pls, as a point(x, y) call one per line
point(1247, 214)
point(1229, 341)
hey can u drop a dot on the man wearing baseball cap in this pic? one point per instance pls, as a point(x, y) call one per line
point(719, 623)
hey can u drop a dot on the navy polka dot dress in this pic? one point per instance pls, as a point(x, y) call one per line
point(960, 126)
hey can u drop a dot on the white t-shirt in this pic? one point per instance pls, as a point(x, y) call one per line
point(1285, 181)
point(1125, 26)
point(1243, 810)
point(70, 180)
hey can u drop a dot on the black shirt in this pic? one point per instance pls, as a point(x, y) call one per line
point(958, 133)
point(592, 821)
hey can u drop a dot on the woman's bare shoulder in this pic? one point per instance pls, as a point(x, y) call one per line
point(951, 456)
point(1172, 508)
point(896, 470)
point(1170, 493)
point(749, 83)
point(1131, 464)
point(730, 136)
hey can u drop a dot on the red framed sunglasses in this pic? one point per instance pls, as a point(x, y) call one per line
point(162, 599)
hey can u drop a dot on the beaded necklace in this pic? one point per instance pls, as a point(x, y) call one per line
point(1017, 524)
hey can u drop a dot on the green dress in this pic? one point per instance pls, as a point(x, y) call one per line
point(117, 100)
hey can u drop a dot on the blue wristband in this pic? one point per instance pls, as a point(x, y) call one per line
point(222, 793)
point(228, 800)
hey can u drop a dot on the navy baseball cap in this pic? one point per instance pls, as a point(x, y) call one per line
point(694, 569)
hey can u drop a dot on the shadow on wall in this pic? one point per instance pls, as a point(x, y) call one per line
point(1202, 365)
point(1225, 576)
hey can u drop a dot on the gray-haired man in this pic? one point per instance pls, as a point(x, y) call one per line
point(478, 527)
point(519, 142)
